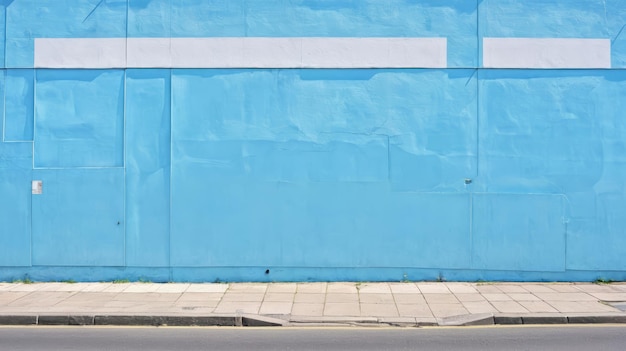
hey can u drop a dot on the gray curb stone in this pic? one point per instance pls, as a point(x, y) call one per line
point(18, 320)
point(264, 321)
point(81, 320)
point(507, 320)
point(597, 319)
point(65, 320)
point(544, 319)
point(165, 320)
point(53, 320)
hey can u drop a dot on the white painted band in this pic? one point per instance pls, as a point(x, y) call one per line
point(546, 53)
point(80, 53)
point(241, 52)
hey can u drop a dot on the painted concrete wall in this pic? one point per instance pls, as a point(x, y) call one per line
point(269, 140)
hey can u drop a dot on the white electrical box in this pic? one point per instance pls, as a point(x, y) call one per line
point(37, 187)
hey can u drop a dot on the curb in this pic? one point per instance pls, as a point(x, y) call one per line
point(264, 321)
point(126, 320)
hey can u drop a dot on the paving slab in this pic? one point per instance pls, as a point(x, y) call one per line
point(282, 288)
point(404, 288)
point(309, 298)
point(332, 297)
point(376, 298)
point(379, 310)
point(479, 307)
point(311, 288)
point(342, 309)
point(374, 288)
point(433, 288)
point(307, 309)
point(461, 288)
point(422, 311)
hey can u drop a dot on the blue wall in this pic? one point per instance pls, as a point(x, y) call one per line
point(462, 173)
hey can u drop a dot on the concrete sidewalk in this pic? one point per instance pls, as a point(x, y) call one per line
point(403, 304)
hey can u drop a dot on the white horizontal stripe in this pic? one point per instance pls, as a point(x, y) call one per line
point(545, 53)
point(149, 52)
point(242, 52)
point(80, 53)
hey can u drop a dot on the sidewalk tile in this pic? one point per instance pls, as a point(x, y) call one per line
point(141, 288)
point(311, 288)
point(342, 297)
point(349, 309)
point(25, 287)
point(260, 288)
point(404, 288)
point(117, 287)
point(172, 288)
point(52, 286)
point(279, 297)
point(537, 306)
point(191, 304)
point(243, 297)
point(565, 297)
point(41, 299)
point(470, 297)
point(564, 288)
point(92, 297)
point(433, 288)
point(512, 289)
point(461, 288)
point(538, 288)
point(374, 288)
point(414, 310)
point(582, 307)
point(509, 307)
point(621, 287)
point(479, 307)
point(440, 298)
point(147, 297)
point(270, 307)
point(96, 287)
point(613, 297)
point(496, 297)
point(524, 297)
point(200, 296)
point(123, 304)
point(376, 298)
point(207, 288)
point(597, 288)
point(310, 298)
point(282, 288)
point(379, 310)
point(341, 288)
point(409, 298)
point(488, 289)
point(70, 287)
point(238, 307)
point(307, 309)
point(7, 297)
point(447, 310)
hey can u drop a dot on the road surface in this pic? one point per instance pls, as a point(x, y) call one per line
point(596, 337)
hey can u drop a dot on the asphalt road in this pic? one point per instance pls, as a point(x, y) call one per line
point(594, 337)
